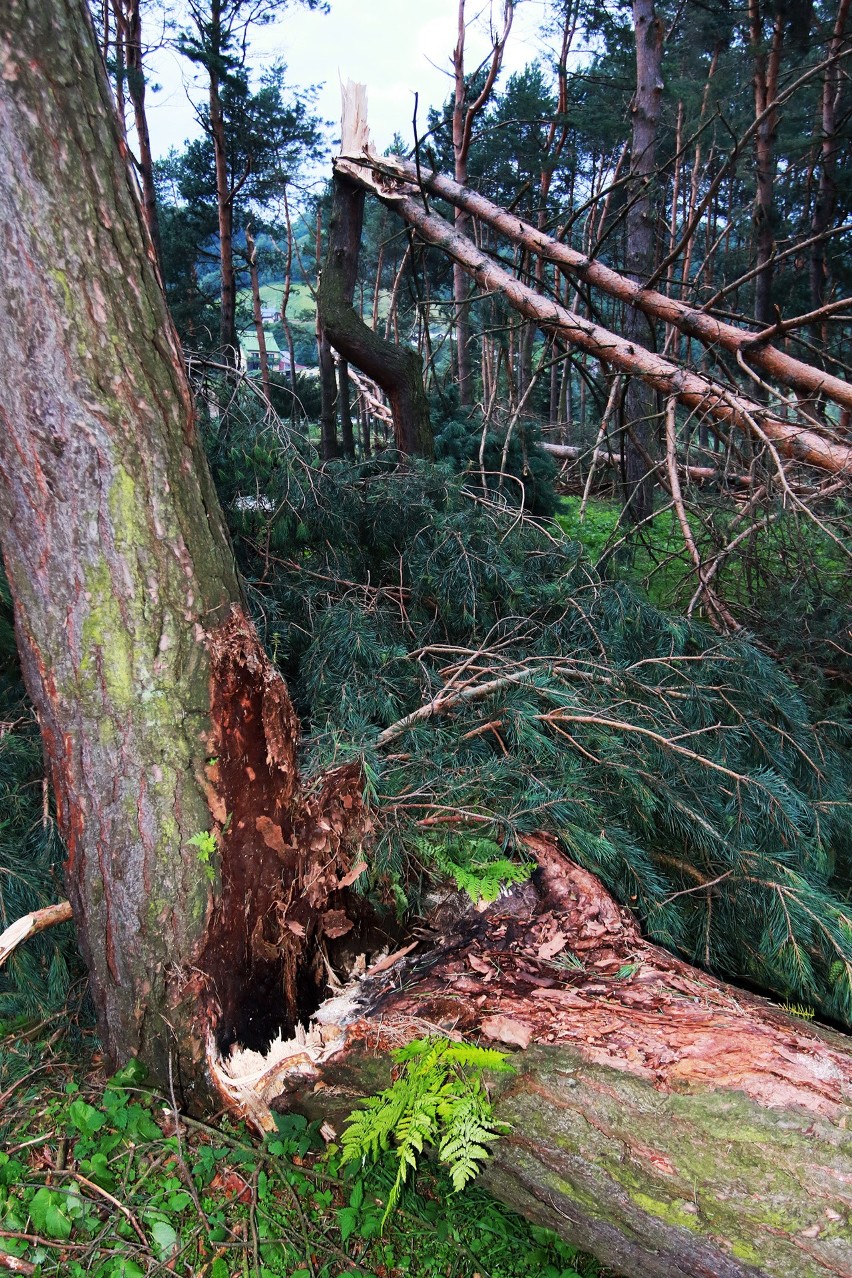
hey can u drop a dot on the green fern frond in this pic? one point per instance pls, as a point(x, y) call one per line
point(439, 1099)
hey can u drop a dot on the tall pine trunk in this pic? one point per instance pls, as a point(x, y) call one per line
point(767, 64)
point(224, 200)
point(829, 146)
point(161, 717)
point(640, 407)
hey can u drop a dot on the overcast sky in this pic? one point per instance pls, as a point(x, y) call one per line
point(396, 47)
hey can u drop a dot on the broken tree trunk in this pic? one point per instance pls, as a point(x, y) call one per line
point(397, 369)
point(692, 389)
point(673, 1125)
point(170, 739)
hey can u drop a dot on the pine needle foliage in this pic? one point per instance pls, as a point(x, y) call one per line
point(438, 1099)
point(492, 683)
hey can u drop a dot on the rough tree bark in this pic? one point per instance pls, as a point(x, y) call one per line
point(640, 407)
point(397, 369)
point(160, 715)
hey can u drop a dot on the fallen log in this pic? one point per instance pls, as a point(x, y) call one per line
point(600, 457)
point(361, 166)
point(691, 389)
point(690, 320)
point(671, 1124)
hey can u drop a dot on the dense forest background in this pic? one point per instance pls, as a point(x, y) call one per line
point(585, 608)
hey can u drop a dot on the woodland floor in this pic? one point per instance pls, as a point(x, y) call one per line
point(97, 1179)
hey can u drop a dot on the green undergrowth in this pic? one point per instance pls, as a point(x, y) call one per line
point(96, 1179)
point(437, 1100)
point(787, 582)
point(492, 682)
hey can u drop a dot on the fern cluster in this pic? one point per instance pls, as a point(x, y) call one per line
point(477, 866)
point(684, 769)
point(438, 1099)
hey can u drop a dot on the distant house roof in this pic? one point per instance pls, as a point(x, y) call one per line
point(249, 343)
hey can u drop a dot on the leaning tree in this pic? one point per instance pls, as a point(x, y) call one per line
point(210, 883)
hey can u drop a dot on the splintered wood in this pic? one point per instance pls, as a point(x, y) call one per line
point(355, 133)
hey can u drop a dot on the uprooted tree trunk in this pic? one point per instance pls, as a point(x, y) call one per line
point(397, 369)
point(675, 1126)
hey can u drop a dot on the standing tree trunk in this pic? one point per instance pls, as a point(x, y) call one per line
point(347, 435)
point(257, 312)
point(640, 407)
point(826, 201)
point(224, 199)
point(285, 298)
point(766, 68)
point(464, 115)
point(169, 738)
point(163, 721)
point(128, 18)
point(329, 446)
